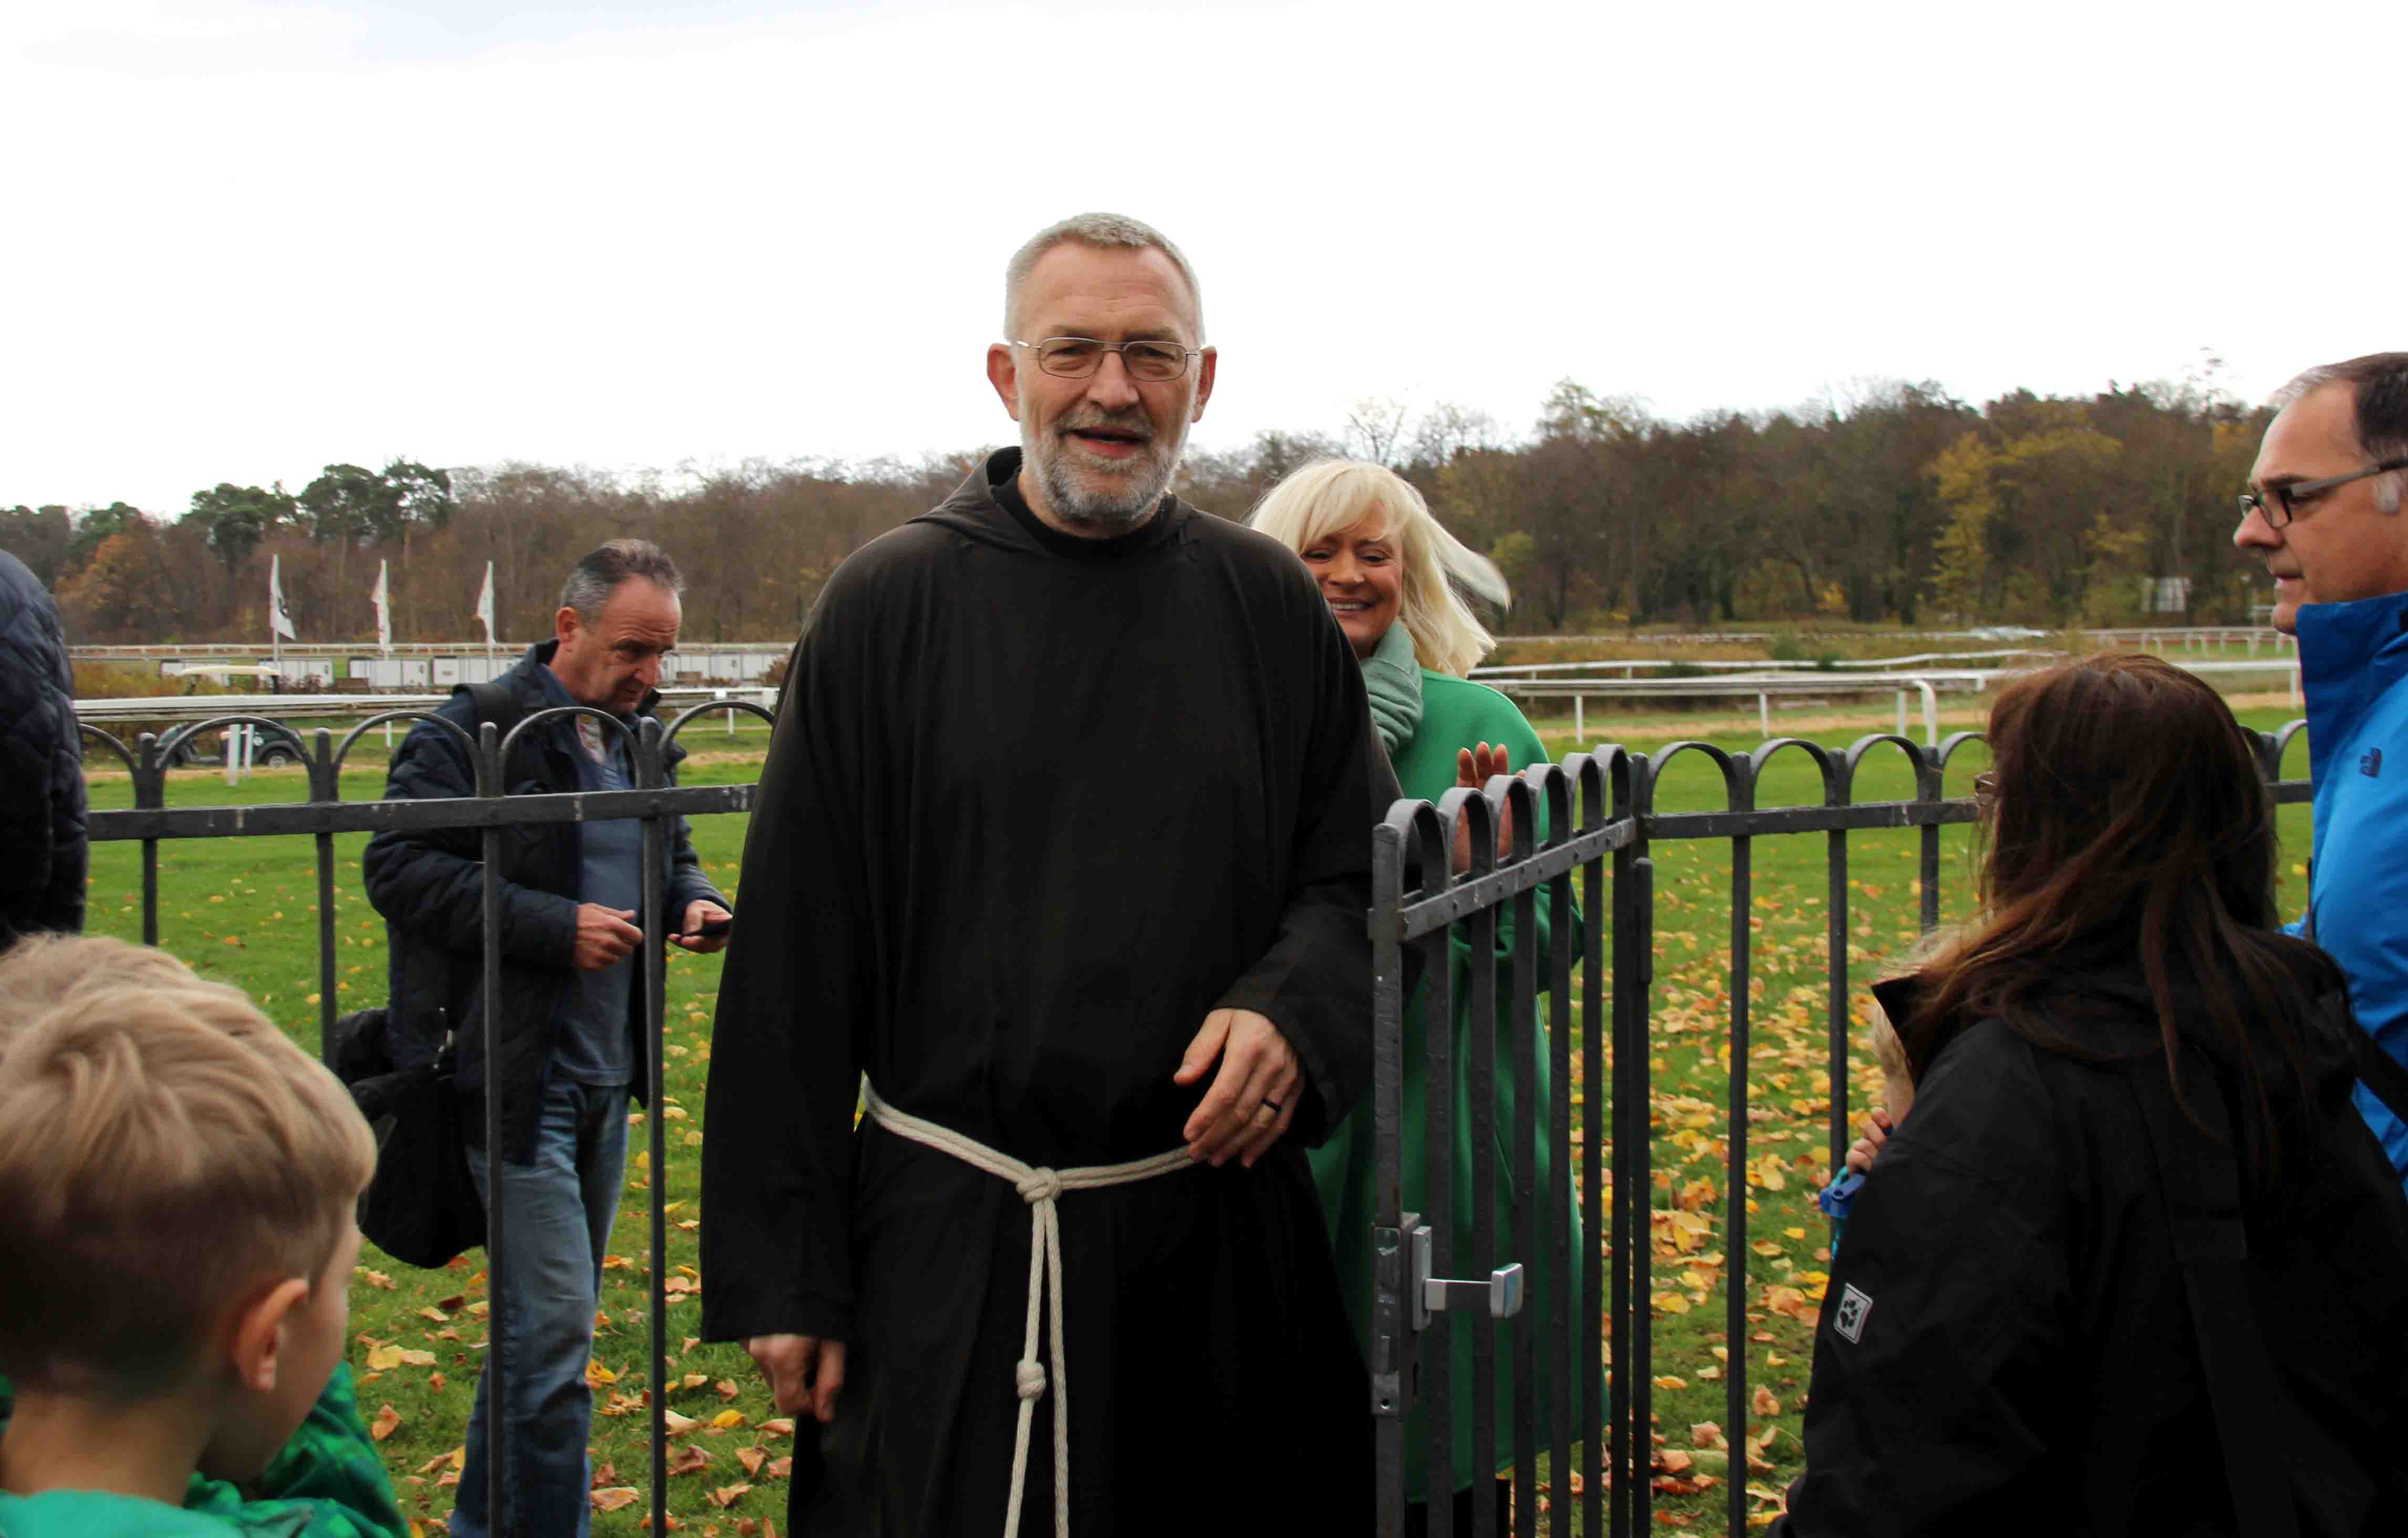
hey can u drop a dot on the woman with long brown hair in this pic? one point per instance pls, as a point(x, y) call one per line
point(2133, 1264)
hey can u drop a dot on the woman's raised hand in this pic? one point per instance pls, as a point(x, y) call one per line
point(1473, 769)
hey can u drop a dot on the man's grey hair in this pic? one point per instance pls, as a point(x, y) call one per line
point(601, 571)
point(1092, 229)
point(2379, 402)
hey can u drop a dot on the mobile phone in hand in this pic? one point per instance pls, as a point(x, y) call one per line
point(713, 929)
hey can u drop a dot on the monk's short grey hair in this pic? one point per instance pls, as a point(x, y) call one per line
point(1092, 229)
point(2379, 401)
point(601, 571)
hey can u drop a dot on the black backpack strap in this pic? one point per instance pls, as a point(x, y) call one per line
point(2199, 1174)
point(494, 701)
point(2377, 1070)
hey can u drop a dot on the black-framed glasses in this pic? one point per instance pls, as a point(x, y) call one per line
point(1986, 788)
point(2279, 505)
point(1076, 357)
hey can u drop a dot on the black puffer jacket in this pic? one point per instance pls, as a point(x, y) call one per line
point(2006, 1342)
point(429, 885)
point(42, 856)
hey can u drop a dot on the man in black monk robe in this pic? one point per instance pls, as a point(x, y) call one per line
point(1064, 844)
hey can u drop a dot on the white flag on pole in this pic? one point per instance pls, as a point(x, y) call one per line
point(278, 622)
point(485, 603)
point(382, 598)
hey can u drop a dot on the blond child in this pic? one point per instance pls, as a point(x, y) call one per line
point(1897, 1094)
point(177, 1181)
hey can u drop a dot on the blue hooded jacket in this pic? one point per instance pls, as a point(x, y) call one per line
point(2353, 671)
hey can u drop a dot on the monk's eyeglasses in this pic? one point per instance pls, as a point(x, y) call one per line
point(2279, 505)
point(1077, 357)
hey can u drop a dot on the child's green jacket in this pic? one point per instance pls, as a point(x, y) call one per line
point(328, 1482)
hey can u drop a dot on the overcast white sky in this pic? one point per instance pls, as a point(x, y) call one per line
point(247, 238)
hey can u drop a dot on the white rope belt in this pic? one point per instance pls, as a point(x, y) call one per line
point(1038, 1188)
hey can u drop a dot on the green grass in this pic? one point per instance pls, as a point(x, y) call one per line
point(244, 910)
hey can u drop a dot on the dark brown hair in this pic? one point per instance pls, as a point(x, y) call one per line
point(2129, 820)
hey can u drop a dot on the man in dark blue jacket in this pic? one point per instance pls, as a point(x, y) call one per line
point(572, 1011)
point(41, 765)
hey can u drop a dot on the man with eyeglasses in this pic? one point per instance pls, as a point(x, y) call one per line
point(2325, 511)
point(1060, 860)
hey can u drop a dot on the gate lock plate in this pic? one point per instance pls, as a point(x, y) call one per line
point(1500, 1294)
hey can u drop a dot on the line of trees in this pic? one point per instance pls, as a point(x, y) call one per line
point(1889, 502)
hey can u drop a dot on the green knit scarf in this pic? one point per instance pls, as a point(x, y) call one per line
point(1393, 679)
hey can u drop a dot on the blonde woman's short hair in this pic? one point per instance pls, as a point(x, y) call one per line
point(1331, 496)
point(163, 1149)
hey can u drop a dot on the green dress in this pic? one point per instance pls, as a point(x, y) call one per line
point(1456, 714)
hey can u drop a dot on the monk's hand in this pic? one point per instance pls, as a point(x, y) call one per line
point(1252, 1097)
point(1473, 769)
point(804, 1373)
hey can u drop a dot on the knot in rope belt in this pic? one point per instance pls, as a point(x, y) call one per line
point(1038, 1188)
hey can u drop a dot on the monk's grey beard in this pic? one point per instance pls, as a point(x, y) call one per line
point(1098, 495)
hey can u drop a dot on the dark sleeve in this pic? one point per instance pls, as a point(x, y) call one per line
point(1954, 1286)
point(776, 1167)
point(432, 881)
point(1315, 982)
point(42, 850)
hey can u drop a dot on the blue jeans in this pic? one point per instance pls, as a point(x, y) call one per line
point(556, 1217)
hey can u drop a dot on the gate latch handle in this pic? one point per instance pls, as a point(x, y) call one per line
point(1500, 1294)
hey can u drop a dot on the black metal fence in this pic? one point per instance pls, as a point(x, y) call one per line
point(1601, 822)
point(490, 810)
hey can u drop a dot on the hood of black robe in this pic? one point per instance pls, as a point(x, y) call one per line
point(988, 508)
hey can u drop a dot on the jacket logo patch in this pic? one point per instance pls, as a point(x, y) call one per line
point(1850, 1320)
point(2372, 763)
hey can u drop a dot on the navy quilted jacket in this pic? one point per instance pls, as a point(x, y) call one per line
point(41, 765)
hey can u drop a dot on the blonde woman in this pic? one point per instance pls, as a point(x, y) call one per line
point(1396, 583)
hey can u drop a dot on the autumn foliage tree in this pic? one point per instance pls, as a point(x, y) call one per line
point(1883, 501)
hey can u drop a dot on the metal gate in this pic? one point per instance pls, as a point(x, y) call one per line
point(1601, 823)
